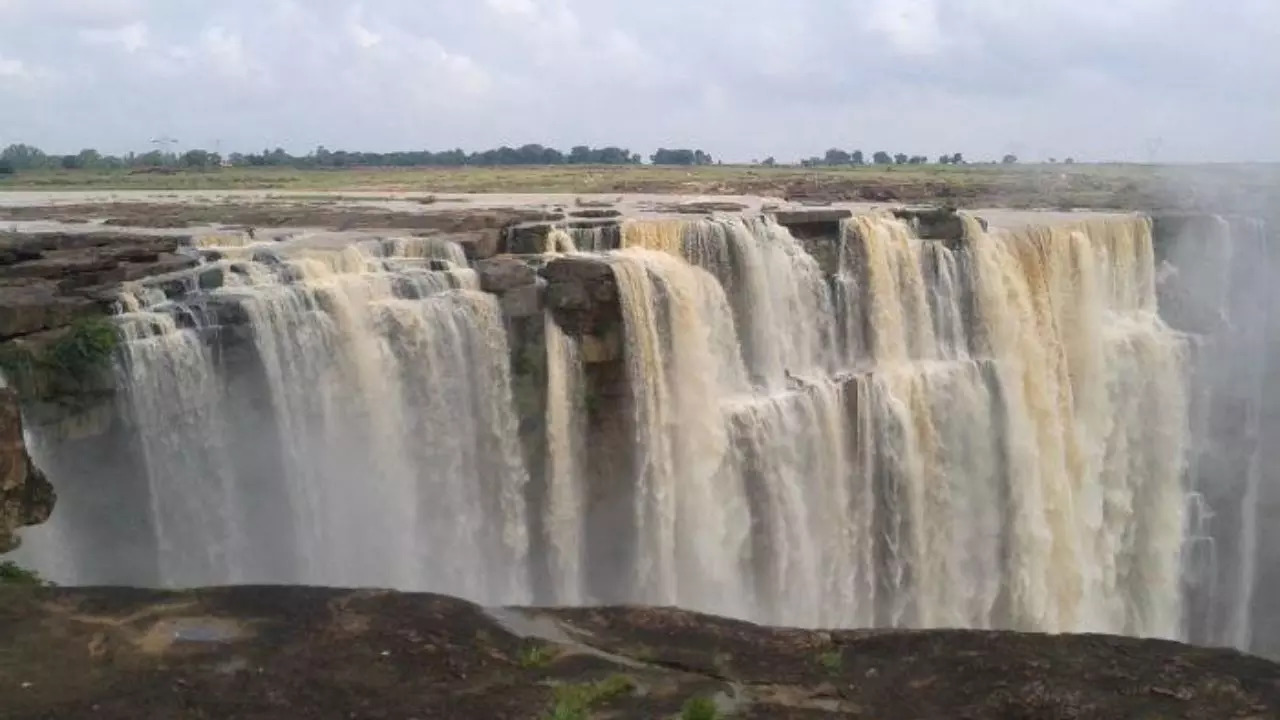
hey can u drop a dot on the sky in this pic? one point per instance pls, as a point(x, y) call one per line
point(1163, 80)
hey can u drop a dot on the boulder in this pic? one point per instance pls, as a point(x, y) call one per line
point(501, 274)
point(577, 269)
point(525, 239)
point(934, 223)
point(582, 294)
point(26, 497)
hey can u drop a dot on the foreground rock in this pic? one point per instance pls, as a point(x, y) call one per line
point(26, 497)
point(314, 653)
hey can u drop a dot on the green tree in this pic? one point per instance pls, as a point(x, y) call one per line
point(198, 159)
point(944, 159)
point(900, 158)
point(666, 156)
point(20, 156)
point(882, 158)
point(957, 159)
point(835, 156)
point(1009, 159)
point(856, 158)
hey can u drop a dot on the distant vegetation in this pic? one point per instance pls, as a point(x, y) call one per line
point(837, 157)
point(19, 158)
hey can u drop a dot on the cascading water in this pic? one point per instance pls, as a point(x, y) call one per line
point(384, 388)
point(986, 432)
point(566, 464)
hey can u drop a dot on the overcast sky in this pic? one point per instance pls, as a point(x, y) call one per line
point(1177, 80)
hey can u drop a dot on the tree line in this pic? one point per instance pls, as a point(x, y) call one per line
point(20, 157)
point(837, 157)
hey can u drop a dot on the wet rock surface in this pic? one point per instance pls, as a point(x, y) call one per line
point(26, 497)
point(582, 295)
point(502, 274)
point(254, 652)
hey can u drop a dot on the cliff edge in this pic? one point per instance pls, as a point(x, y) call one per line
point(26, 497)
point(295, 652)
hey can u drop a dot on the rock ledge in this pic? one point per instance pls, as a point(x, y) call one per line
point(254, 652)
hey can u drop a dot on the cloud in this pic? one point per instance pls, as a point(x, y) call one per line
point(909, 26)
point(1096, 79)
point(13, 69)
point(76, 12)
point(131, 37)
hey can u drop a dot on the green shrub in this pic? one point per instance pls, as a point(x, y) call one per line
point(573, 702)
point(699, 708)
point(831, 660)
point(65, 369)
point(537, 656)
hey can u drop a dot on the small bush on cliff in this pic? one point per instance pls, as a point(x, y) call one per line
point(11, 574)
point(66, 368)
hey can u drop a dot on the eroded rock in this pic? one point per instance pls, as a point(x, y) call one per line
point(504, 273)
point(48, 280)
point(39, 305)
point(26, 497)
point(582, 294)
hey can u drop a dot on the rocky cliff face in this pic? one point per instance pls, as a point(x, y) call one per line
point(26, 497)
point(50, 279)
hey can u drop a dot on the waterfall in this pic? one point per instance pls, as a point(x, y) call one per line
point(862, 429)
point(566, 451)
point(682, 356)
point(174, 401)
point(385, 391)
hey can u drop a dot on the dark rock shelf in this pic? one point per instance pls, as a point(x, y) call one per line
point(294, 652)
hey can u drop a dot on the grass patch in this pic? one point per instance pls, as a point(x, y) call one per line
point(534, 657)
point(575, 701)
point(700, 708)
point(831, 661)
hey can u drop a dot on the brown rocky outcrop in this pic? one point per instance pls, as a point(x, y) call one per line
point(48, 280)
point(296, 652)
point(26, 497)
point(582, 294)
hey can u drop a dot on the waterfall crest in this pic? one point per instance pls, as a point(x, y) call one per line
point(866, 429)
